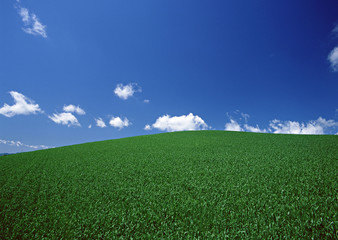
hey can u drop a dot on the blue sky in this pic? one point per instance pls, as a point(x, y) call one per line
point(81, 71)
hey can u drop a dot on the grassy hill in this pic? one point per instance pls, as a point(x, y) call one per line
point(201, 184)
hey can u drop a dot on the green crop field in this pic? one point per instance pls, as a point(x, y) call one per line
point(182, 185)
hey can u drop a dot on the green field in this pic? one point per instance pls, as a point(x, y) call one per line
point(183, 185)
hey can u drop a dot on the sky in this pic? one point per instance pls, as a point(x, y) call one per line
point(82, 71)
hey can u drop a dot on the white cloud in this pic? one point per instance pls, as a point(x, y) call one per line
point(319, 126)
point(119, 123)
point(293, 127)
point(23, 105)
point(90, 126)
point(146, 100)
point(72, 108)
point(31, 22)
point(147, 127)
point(65, 119)
point(20, 144)
point(126, 91)
point(100, 123)
point(24, 15)
point(333, 59)
point(233, 126)
point(179, 123)
point(254, 129)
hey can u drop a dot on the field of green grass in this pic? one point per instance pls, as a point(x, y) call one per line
point(183, 185)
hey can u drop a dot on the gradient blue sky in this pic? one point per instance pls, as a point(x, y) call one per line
point(269, 66)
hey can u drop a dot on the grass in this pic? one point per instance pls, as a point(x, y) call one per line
point(183, 185)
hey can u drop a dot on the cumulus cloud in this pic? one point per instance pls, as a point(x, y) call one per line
point(100, 123)
point(147, 127)
point(293, 127)
point(65, 119)
point(32, 24)
point(20, 144)
point(119, 123)
point(126, 91)
point(236, 126)
point(333, 59)
point(178, 123)
point(233, 126)
point(22, 105)
point(74, 109)
point(319, 126)
point(90, 126)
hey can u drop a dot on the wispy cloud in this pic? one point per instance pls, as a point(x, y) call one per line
point(333, 55)
point(20, 144)
point(74, 109)
point(178, 123)
point(146, 100)
point(65, 119)
point(117, 122)
point(333, 59)
point(22, 105)
point(126, 91)
point(335, 30)
point(100, 123)
point(245, 116)
point(32, 24)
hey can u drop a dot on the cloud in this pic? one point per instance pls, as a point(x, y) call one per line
point(335, 30)
point(126, 91)
point(72, 108)
point(65, 119)
point(233, 126)
point(254, 129)
point(147, 127)
point(100, 123)
point(22, 106)
point(245, 116)
point(333, 59)
point(318, 126)
point(31, 22)
point(146, 100)
point(20, 144)
point(90, 126)
point(179, 123)
point(119, 123)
